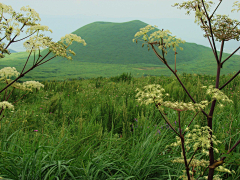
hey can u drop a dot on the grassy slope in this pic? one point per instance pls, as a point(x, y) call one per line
point(110, 52)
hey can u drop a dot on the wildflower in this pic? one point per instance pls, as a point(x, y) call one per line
point(6, 104)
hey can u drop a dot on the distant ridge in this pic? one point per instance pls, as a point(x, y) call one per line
point(12, 51)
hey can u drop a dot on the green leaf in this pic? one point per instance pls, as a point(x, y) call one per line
point(231, 157)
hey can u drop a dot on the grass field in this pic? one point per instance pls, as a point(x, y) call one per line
point(95, 129)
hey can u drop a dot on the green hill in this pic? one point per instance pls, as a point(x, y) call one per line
point(110, 51)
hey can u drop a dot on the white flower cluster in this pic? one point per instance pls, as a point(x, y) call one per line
point(201, 140)
point(6, 104)
point(28, 85)
point(33, 84)
point(154, 95)
point(194, 6)
point(159, 35)
point(8, 72)
point(223, 29)
point(217, 94)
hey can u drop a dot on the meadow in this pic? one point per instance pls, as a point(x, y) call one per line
point(95, 129)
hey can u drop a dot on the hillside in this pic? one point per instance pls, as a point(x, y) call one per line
point(110, 46)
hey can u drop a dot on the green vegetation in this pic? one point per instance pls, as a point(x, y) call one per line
point(95, 129)
point(110, 51)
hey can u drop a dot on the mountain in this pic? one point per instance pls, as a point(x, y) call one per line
point(110, 45)
point(12, 51)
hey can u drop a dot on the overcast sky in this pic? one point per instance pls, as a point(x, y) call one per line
point(66, 16)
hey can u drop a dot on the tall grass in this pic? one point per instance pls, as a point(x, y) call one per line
point(95, 129)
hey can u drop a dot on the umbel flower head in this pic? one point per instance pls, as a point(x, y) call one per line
point(28, 85)
point(8, 72)
point(5, 105)
point(200, 138)
point(170, 41)
point(154, 95)
point(223, 29)
point(59, 48)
